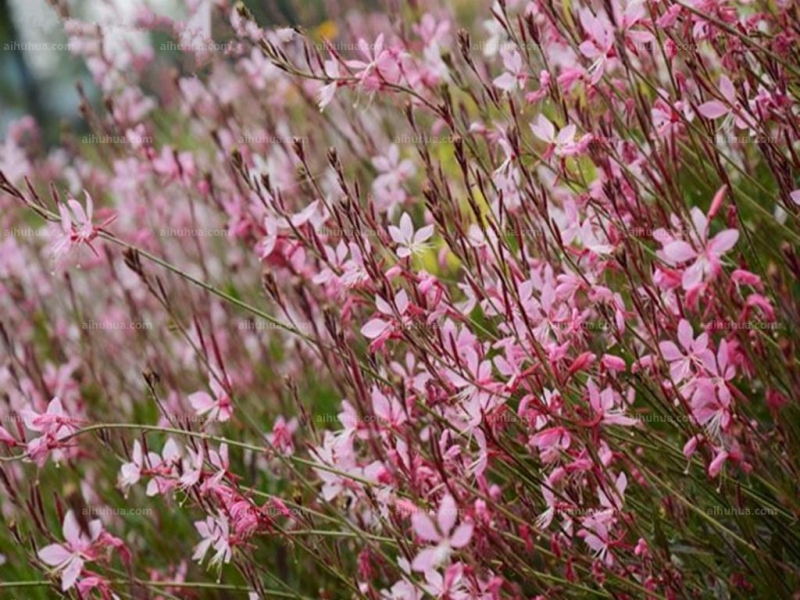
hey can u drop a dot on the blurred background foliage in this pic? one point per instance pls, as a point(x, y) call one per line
point(38, 74)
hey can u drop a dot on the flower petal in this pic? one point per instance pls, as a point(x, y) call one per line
point(713, 109)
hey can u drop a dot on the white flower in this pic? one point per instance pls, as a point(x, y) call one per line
point(408, 241)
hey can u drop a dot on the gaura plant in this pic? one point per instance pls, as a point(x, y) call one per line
point(433, 300)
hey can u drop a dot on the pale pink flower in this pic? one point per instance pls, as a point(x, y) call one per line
point(388, 185)
point(607, 406)
point(221, 462)
point(380, 328)
point(442, 532)
point(174, 165)
point(731, 107)
point(628, 13)
point(707, 260)
point(451, 584)
point(551, 442)
point(77, 227)
point(326, 92)
point(600, 45)
point(563, 143)
point(515, 76)
point(281, 436)
point(380, 65)
point(598, 538)
point(693, 353)
point(192, 468)
point(388, 410)
point(164, 469)
point(131, 472)
point(215, 532)
point(69, 558)
point(55, 426)
point(410, 242)
point(218, 407)
point(711, 401)
point(54, 420)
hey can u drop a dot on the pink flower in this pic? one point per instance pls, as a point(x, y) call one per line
point(551, 441)
point(69, 558)
point(564, 143)
point(443, 532)
point(164, 469)
point(410, 242)
point(387, 186)
point(716, 465)
point(389, 411)
point(692, 354)
point(192, 468)
point(731, 108)
point(219, 407)
point(379, 329)
point(707, 260)
point(77, 227)
point(711, 401)
point(600, 45)
point(215, 532)
point(53, 421)
point(131, 472)
point(220, 461)
point(379, 66)
point(326, 92)
point(598, 538)
point(55, 426)
point(614, 502)
point(281, 436)
point(448, 585)
point(515, 75)
point(606, 406)
point(174, 165)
